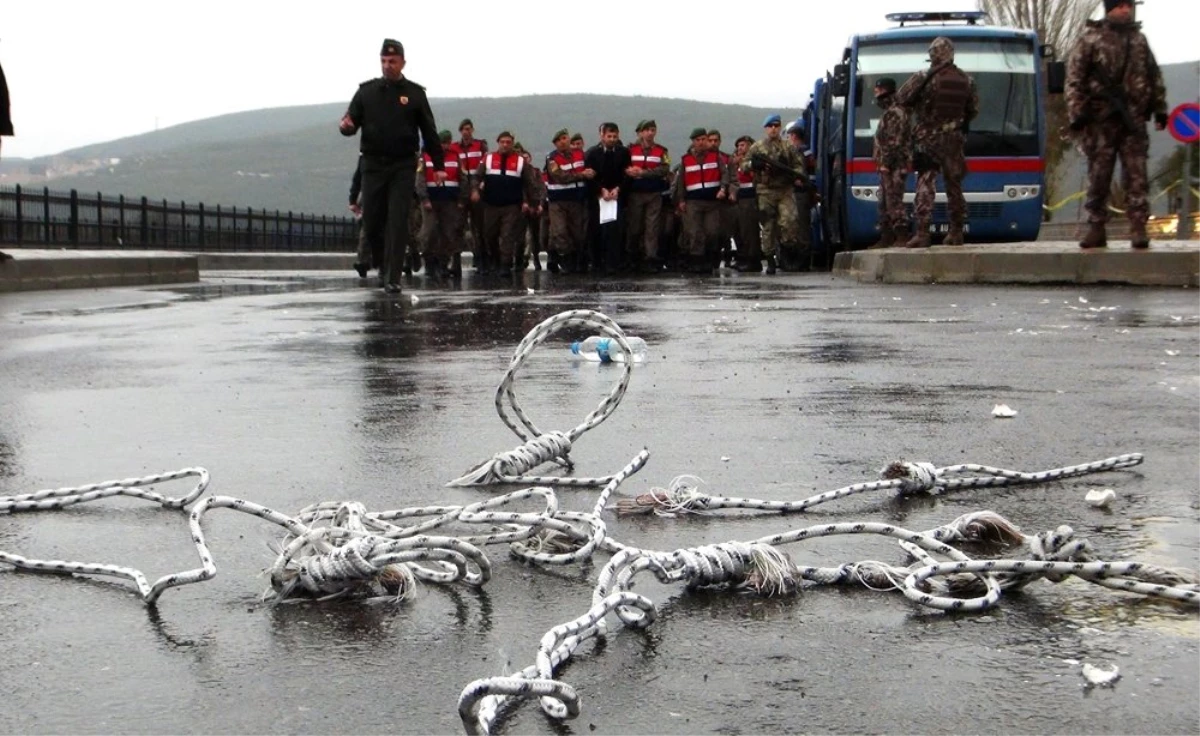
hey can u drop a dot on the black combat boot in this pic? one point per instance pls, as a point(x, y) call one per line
point(771, 265)
point(456, 268)
point(1138, 237)
point(552, 261)
point(954, 236)
point(1095, 237)
point(887, 238)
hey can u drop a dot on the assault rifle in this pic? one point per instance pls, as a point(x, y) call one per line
point(761, 160)
point(1114, 91)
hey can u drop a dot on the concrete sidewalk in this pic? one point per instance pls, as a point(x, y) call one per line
point(1166, 263)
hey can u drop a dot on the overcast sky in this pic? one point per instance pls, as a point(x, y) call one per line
point(81, 71)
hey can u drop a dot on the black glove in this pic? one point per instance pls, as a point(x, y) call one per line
point(1160, 119)
point(758, 163)
point(1078, 124)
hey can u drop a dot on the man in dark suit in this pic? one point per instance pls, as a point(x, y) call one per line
point(609, 159)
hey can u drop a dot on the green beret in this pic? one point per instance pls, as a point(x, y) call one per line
point(698, 133)
point(560, 134)
point(746, 138)
point(445, 136)
point(714, 131)
point(577, 137)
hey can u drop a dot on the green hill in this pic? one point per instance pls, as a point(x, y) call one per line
point(293, 158)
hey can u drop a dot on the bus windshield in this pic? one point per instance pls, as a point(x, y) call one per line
point(1003, 70)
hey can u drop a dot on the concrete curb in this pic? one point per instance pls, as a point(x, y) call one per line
point(35, 270)
point(275, 261)
point(1165, 264)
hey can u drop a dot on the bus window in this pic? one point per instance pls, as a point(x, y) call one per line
point(1003, 70)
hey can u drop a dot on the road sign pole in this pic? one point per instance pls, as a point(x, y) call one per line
point(1187, 202)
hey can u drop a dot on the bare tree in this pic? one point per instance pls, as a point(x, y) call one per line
point(1059, 23)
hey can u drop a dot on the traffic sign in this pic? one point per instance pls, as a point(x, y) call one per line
point(1184, 122)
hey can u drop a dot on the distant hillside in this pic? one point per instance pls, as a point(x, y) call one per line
point(293, 158)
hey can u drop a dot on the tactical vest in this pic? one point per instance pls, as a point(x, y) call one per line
point(446, 191)
point(570, 161)
point(701, 175)
point(648, 158)
point(502, 179)
point(745, 180)
point(951, 89)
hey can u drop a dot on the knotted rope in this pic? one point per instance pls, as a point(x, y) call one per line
point(539, 447)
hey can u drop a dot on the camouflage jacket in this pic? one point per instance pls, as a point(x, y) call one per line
point(891, 137)
point(1096, 63)
point(770, 177)
point(918, 96)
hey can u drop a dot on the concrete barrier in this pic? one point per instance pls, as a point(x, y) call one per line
point(27, 269)
point(275, 261)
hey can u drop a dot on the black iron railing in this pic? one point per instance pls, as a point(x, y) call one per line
point(41, 217)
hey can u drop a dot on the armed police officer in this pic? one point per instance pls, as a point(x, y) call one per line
point(944, 102)
point(776, 166)
point(892, 154)
point(1114, 86)
point(393, 114)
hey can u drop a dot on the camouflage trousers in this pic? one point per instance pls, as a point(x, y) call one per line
point(503, 231)
point(891, 201)
point(943, 153)
point(779, 219)
point(568, 227)
point(1103, 144)
point(441, 232)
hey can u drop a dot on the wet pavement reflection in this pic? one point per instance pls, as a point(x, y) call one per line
point(298, 388)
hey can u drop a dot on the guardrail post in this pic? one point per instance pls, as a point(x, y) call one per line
point(73, 221)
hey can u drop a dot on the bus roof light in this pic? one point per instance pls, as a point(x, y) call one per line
point(970, 17)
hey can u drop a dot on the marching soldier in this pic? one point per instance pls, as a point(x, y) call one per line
point(891, 155)
point(444, 203)
point(746, 233)
point(728, 216)
point(1114, 86)
point(801, 259)
point(647, 173)
point(508, 189)
point(393, 114)
point(944, 101)
point(701, 188)
point(566, 189)
point(474, 149)
point(774, 164)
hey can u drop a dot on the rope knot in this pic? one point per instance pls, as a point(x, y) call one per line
point(681, 496)
point(753, 566)
point(920, 477)
point(1060, 545)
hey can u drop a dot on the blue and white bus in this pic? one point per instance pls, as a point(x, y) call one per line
point(1004, 148)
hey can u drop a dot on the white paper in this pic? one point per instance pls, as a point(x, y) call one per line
point(608, 210)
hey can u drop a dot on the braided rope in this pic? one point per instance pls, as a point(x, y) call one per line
point(539, 448)
point(683, 495)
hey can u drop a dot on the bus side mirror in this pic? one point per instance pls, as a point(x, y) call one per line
point(840, 86)
point(1056, 77)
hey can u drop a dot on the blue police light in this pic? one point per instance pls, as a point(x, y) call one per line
point(970, 17)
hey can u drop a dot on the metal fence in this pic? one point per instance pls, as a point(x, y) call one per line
point(40, 217)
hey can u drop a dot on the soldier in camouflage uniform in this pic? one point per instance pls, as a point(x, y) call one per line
point(1114, 86)
point(773, 188)
point(892, 158)
point(944, 101)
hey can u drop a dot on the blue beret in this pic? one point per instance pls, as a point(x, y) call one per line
point(772, 120)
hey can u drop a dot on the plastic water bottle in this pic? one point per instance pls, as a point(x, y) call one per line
point(606, 349)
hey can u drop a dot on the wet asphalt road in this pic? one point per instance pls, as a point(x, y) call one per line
point(293, 389)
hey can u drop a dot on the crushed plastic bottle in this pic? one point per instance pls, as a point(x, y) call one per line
point(606, 349)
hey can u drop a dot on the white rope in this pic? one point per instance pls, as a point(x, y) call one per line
point(539, 448)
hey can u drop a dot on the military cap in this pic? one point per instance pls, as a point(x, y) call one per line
point(714, 131)
point(746, 138)
point(577, 137)
point(772, 120)
point(465, 122)
point(392, 47)
point(503, 134)
point(1111, 5)
point(518, 147)
point(444, 136)
point(561, 133)
point(698, 133)
point(645, 124)
point(886, 83)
